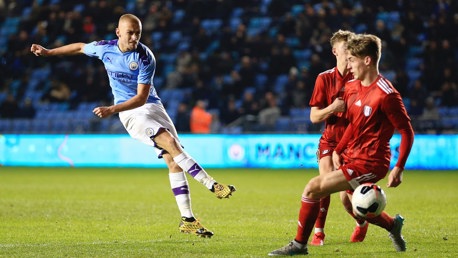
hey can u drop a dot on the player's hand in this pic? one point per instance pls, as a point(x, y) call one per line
point(395, 177)
point(338, 105)
point(102, 112)
point(39, 50)
point(336, 160)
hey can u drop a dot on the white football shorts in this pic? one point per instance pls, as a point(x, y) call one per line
point(143, 123)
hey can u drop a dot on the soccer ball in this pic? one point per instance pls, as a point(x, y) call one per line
point(368, 200)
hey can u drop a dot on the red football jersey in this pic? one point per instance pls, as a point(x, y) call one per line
point(328, 86)
point(373, 113)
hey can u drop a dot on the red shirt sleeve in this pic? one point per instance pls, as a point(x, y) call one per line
point(397, 114)
point(318, 98)
point(344, 140)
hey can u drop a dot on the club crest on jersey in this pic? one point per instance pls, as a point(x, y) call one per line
point(367, 110)
point(133, 66)
point(149, 132)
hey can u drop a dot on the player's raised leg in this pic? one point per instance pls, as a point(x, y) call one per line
point(167, 140)
point(316, 188)
point(186, 162)
point(180, 188)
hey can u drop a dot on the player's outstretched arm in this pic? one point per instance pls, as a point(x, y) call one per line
point(70, 49)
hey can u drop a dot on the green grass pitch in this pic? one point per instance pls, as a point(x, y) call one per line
point(131, 212)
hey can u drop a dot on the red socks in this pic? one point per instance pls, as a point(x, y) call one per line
point(307, 217)
point(324, 206)
point(384, 221)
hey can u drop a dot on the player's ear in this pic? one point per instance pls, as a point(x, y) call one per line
point(367, 60)
point(334, 51)
point(118, 33)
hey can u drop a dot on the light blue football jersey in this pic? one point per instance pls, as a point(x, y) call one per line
point(125, 70)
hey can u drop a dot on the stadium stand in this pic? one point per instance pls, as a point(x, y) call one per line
point(204, 43)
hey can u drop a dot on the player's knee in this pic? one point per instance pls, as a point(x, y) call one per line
point(312, 190)
point(173, 166)
point(171, 142)
point(166, 141)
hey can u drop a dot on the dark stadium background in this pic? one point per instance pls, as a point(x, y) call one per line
point(222, 51)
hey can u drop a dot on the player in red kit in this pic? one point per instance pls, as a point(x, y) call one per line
point(326, 105)
point(374, 110)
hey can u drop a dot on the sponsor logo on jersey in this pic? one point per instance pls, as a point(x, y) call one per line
point(133, 66)
point(121, 76)
point(358, 103)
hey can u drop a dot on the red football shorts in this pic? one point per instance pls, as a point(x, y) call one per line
point(324, 150)
point(357, 174)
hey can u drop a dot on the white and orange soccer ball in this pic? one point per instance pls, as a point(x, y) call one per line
point(368, 201)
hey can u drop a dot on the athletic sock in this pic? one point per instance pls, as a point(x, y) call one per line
point(321, 219)
point(383, 220)
point(307, 217)
point(188, 164)
point(180, 189)
point(318, 230)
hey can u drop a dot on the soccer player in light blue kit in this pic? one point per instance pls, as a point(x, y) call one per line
point(130, 66)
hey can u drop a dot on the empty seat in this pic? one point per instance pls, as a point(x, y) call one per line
point(211, 25)
point(280, 83)
point(237, 12)
point(297, 9)
point(40, 125)
point(300, 112)
point(283, 124)
point(178, 16)
point(302, 54)
point(20, 125)
point(5, 125)
point(260, 81)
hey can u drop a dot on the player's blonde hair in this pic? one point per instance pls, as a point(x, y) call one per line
point(129, 17)
point(341, 35)
point(363, 45)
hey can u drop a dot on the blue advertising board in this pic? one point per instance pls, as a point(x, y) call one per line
point(215, 150)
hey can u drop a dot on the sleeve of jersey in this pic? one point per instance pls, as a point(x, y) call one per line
point(397, 114)
point(318, 95)
point(147, 70)
point(91, 49)
point(342, 145)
